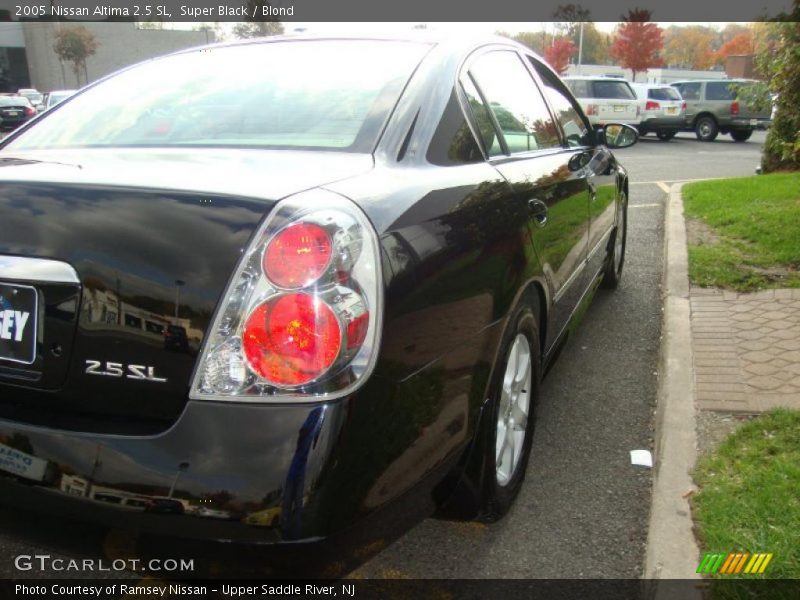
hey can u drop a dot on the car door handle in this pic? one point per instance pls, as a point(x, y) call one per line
point(538, 211)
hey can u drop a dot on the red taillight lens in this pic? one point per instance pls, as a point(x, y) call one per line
point(591, 109)
point(735, 107)
point(298, 255)
point(652, 105)
point(683, 106)
point(291, 339)
point(29, 111)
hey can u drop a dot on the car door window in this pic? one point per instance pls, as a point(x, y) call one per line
point(567, 112)
point(719, 90)
point(689, 91)
point(482, 117)
point(515, 101)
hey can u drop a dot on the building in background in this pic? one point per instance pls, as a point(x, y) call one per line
point(27, 58)
point(652, 75)
point(740, 66)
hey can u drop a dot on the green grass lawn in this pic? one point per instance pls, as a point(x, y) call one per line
point(749, 497)
point(744, 234)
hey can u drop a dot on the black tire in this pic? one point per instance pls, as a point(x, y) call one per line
point(642, 132)
point(741, 135)
point(666, 136)
point(615, 258)
point(498, 497)
point(706, 128)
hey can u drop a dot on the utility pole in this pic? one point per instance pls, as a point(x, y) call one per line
point(580, 50)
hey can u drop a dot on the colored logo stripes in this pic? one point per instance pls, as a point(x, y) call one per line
point(735, 563)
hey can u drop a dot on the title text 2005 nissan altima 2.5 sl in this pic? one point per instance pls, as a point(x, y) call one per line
point(295, 293)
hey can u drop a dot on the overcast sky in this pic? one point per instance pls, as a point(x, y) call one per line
point(474, 28)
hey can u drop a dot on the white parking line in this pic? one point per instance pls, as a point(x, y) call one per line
point(664, 187)
point(643, 205)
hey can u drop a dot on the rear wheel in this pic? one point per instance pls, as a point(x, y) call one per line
point(666, 136)
point(616, 253)
point(508, 429)
point(741, 135)
point(706, 129)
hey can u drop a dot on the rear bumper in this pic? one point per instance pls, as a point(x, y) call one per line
point(278, 480)
point(755, 123)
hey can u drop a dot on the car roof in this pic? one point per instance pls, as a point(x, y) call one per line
point(595, 78)
point(726, 80)
point(447, 42)
point(650, 85)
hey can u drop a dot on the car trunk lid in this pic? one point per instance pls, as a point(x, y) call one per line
point(152, 241)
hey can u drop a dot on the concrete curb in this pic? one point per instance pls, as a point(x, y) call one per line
point(672, 551)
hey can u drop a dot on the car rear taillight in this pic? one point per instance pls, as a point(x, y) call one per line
point(652, 105)
point(300, 319)
point(298, 255)
point(592, 109)
point(735, 107)
point(291, 339)
point(30, 111)
point(683, 106)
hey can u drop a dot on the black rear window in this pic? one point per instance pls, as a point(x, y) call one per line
point(613, 90)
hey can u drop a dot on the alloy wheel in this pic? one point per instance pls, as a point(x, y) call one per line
point(512, 415)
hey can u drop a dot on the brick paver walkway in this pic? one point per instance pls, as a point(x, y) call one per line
point(746, 349)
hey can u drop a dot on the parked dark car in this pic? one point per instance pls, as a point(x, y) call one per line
point(14, 111)
point(164, 506)
point(384, 242)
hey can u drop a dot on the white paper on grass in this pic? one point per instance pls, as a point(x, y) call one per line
point(643, 458)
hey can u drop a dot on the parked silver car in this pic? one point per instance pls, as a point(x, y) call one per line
point(662, 108)
point(713, 107)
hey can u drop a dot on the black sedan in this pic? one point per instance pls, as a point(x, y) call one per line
point(373, 247)
point(14, 111)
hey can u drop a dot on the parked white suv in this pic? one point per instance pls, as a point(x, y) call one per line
point(662, 109)
point(605, 99)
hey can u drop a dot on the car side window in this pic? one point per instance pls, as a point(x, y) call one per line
point(453, 142)
point(482, 117)
point(568, 113)
point(515, 101)
point(719, 90)
point(689, 91)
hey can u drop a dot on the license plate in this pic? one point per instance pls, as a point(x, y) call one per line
point(13, 113)
point(19, 306)
point(753, 122)
point(619, 108)
point(672, 110)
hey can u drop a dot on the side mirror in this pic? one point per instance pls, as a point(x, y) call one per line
point(617, 135)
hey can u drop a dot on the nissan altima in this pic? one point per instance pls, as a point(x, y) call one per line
point(296, 294)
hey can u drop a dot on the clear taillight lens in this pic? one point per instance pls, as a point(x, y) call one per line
point(300, 319)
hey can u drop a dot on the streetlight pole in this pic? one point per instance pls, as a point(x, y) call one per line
point(580, 50)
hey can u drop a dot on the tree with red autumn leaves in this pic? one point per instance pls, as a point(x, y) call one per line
point(558, 54)
point(740, 44)
point(638, 42)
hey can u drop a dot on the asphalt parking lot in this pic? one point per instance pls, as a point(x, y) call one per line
point(583, 509)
